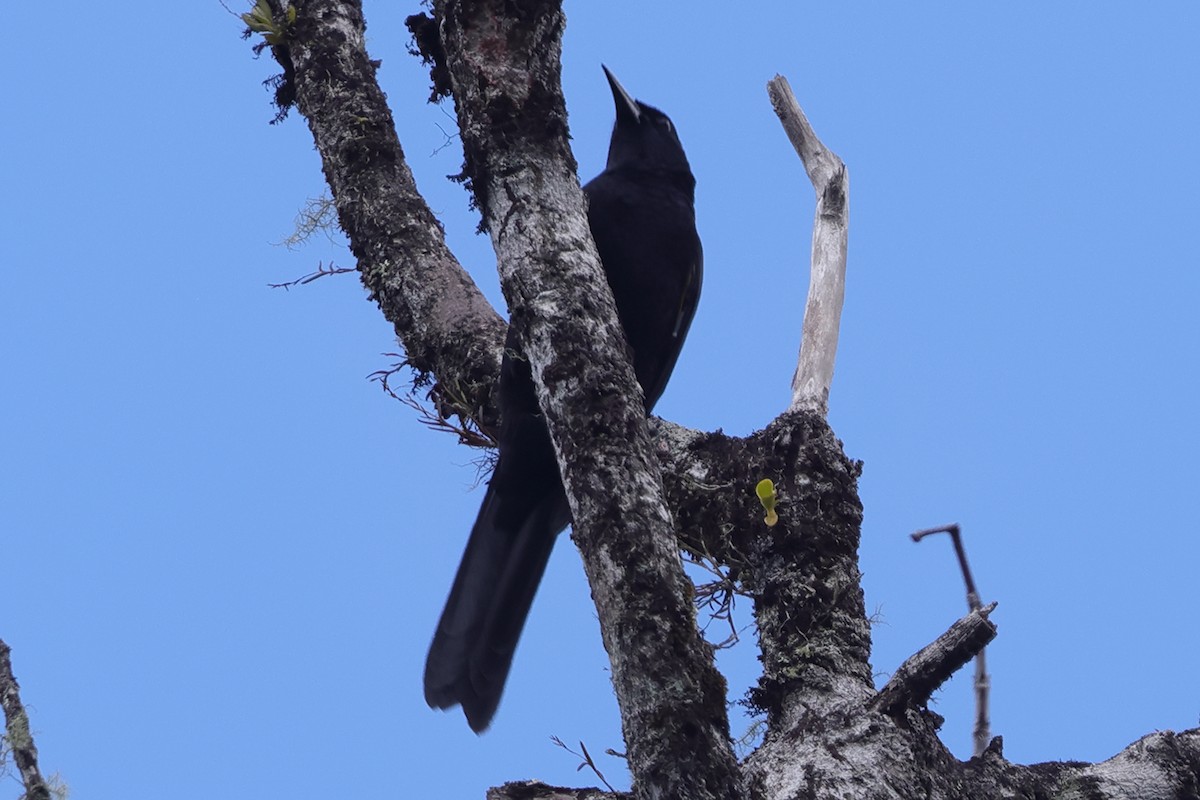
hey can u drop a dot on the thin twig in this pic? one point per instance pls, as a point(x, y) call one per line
point(587, 760)
point(718, 596)
point(442, 410)
point(321, 272)
point(982, 734)
point(450, 137)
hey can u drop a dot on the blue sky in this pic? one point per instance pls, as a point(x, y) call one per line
point(225, 550)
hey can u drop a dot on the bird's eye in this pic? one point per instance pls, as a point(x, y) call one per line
point(666, 123)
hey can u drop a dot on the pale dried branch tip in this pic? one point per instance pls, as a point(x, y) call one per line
point(820, 162)
point(827, 282)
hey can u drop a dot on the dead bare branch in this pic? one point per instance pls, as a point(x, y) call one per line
point(827, 281)
point(982, 733)
point(321, 272)
point(912, 685)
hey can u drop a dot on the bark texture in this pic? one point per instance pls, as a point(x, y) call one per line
point(446, 326)
point(504, 65)
point(636, 498)
point(17, 737)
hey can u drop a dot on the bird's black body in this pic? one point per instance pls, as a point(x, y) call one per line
point(640, 210)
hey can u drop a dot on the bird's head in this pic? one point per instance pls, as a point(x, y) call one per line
point(643, 138)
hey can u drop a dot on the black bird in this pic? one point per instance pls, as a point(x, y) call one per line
point(641, 213)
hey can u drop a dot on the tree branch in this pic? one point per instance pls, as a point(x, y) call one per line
point(504, 65)
point(821, 739)
point(920, 676)
point(1161, 766)
point(827, 281)
point(16, 730)
point(983, 683)
point(441, 318)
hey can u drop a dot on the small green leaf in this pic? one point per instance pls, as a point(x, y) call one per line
point(260, 20)
point(766, 495)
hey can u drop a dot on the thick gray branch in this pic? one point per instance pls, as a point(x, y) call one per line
point(827, 281)
point(504, 64)
point(1162, 766)
point(441, 318)
point(1156, 767)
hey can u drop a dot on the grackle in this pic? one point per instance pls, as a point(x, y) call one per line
point(640, 210)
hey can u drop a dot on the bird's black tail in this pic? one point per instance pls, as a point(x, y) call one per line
point(477, 635)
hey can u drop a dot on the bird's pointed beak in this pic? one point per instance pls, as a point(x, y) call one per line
point(627, 108)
